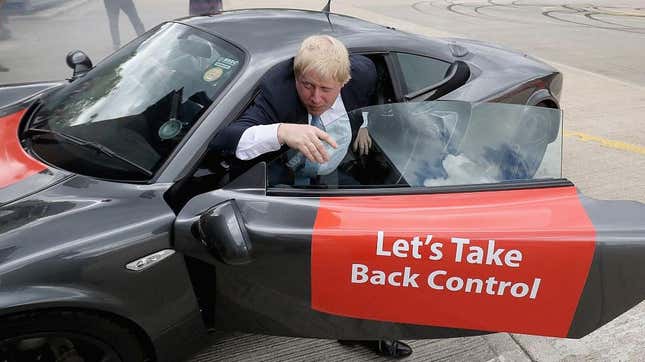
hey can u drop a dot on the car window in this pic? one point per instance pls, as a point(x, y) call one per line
point(439, 143)
point(139, 103)
point(419, 72)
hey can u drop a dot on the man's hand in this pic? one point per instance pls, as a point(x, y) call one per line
point(306, 139)
point(363, 142)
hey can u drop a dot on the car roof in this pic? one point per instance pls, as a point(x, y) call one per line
point(279, 32)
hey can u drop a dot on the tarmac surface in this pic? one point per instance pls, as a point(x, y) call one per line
point(598, 45)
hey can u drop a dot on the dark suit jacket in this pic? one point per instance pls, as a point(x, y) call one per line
point(278, 101)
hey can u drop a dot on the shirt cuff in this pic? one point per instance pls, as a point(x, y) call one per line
point(258, 140)
point(364, 114)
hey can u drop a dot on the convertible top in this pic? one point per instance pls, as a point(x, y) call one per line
point(278, 32)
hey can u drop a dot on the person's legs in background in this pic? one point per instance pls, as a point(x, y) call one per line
point(198, 7)
point(131, 11)
point(5, 33)
point(112, 10)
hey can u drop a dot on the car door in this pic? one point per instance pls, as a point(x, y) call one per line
point(458, 222)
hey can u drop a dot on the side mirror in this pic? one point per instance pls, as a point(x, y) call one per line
point(223, 232)
point(79, 62)
point(211, 225)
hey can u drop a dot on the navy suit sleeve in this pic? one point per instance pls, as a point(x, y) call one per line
point(276, 102)
point(259, 113)
point(359, 92)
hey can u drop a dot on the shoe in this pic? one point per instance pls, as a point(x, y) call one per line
point(385, 347)
point(393, 348)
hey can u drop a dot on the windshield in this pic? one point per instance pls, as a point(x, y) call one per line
point(441, 143)
point(137, 105)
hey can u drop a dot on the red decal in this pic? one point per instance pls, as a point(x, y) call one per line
point(15, 163)
point(512, 261)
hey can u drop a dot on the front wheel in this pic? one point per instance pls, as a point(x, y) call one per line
point(66, 336)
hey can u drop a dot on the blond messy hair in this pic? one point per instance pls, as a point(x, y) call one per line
point(326, 56)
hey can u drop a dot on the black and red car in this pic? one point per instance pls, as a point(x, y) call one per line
point(122, 238)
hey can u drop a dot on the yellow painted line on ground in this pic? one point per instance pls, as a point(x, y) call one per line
point(606, 142)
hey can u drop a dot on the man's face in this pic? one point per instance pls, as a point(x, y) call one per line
point(316, 93)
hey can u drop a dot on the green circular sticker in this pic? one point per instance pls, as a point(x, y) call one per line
point(170, 129)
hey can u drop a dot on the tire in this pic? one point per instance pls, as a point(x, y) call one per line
point(66, 336)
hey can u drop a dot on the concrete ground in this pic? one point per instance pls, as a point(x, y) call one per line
point(598, 45)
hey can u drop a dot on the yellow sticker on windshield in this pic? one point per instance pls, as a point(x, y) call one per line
point(213, 74)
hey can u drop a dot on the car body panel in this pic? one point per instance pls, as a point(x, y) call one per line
point(298, 282)
point(96, 227)
point(11, 94)
point(615, 278)
point(486, 260)
point(498, 69)
point(22, 174)
point(16, 164)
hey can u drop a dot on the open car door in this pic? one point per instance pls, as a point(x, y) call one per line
point(458, 222)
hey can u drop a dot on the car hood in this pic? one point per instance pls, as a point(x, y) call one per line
point(82, 213)
point(15, 94)
point(22, 174)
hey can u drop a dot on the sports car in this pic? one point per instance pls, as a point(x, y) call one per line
point(125, 237)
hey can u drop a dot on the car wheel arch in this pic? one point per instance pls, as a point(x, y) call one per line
point(122, 322)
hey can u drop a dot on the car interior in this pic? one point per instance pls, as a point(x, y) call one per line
point(456, 75)
point(367, 171)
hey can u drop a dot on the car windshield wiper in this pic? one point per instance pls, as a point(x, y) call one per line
point(89, 144)
point(35, 107)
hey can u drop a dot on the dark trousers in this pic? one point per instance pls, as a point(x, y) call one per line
point(4, 19)
point(112, 8)
point(197, 7)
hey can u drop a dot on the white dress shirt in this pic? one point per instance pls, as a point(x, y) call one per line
point(258, 140)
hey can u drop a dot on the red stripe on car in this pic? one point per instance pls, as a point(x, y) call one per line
point(15, 163)
point(512, 261)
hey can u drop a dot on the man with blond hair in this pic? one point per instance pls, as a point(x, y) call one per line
point(322, 83)
point(297, 100)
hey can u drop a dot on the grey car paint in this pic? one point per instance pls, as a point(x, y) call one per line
point(615, 282)
point(87, 230)
point(11, 94)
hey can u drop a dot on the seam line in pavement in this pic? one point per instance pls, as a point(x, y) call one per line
point(526, 352)
point(410, 26)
